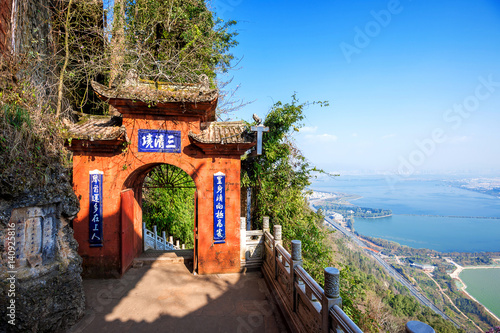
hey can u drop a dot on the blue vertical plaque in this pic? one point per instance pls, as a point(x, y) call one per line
point(159, 141)
point(95, 209)
point(219, 208)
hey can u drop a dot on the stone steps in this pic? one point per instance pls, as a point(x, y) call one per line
point(161, 258)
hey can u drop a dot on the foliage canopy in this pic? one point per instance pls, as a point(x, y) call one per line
point(278, 178)
point(175, 40)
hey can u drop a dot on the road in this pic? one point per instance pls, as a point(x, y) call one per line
point(388, 268)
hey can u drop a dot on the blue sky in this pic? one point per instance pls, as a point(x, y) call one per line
point(413, 86)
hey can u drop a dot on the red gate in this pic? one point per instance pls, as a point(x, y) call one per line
point(127, 229)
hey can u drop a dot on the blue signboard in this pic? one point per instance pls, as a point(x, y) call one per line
point(95, 209)
point(219, 208)
point(159, 141)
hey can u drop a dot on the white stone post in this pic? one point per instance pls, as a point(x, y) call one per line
point(243, 239)
point(415, 326)
point(171, 239)
point(265, 223)
point(177, 243)
point(296, 261)
point(331, 295)
point(277, 241)
point(143, 236)
point(156, 237)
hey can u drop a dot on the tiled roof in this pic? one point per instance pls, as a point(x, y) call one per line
point(98, 128)
point(228, 132)
point(158, 93)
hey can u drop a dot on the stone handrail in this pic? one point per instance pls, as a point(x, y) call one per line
point(340, 319)
point(306, 306)
point(155, 242)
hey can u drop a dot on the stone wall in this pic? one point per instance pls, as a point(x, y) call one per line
point(40, 283)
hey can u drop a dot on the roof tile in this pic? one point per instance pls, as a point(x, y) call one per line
point(224, 133)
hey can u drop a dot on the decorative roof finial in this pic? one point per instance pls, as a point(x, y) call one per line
point(257, 119)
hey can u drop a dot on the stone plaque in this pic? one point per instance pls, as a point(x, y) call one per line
point(36, 231)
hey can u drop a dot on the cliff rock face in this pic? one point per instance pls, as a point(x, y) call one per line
point(40, 283)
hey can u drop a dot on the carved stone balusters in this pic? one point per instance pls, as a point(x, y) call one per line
point(331, 294)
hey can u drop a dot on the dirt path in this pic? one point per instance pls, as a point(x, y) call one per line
point(451, 302)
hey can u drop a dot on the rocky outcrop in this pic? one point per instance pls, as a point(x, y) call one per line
point(40, 283)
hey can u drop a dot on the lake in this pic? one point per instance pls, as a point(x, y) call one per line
point(484, 285)
point(421, 196)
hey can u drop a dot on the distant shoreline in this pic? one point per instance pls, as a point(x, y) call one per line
point(376, 217)
point(353, 197)
point(455, 216)
point(456, 275)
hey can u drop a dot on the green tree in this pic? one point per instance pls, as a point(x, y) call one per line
point(176, 40)
point(278, 179)
point(168, 202)
point(172, 211)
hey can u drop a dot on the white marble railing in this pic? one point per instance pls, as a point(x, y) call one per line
point(252, 247)
point(155, 242)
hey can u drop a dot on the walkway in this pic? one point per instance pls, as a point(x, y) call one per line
point(169, 298)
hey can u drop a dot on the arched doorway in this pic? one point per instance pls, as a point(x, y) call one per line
point(157, 199)
point(169, 208)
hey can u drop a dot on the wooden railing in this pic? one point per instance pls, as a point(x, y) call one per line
point(306, 306)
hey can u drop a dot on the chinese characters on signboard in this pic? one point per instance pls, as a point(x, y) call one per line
point(159, 141)
point(95, 211)
point(219, 208)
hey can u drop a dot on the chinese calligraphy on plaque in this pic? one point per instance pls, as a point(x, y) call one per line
point(95, 211)
point(159, 141)
point(219, 208)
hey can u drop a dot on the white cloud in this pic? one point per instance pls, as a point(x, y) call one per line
point(354, 134)
point(322, 137)
point(389, 136)
point(459, 139)
point(307, 129)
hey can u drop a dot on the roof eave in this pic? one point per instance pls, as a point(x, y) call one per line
point(95, 146)
point(236, 149)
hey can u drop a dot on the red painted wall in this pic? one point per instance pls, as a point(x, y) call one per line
point(127, 170)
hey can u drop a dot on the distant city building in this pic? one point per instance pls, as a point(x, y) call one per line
point(337, 217)
point(315, 195)
point(425, 268)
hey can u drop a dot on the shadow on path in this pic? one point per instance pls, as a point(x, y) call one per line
point(169, 298)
